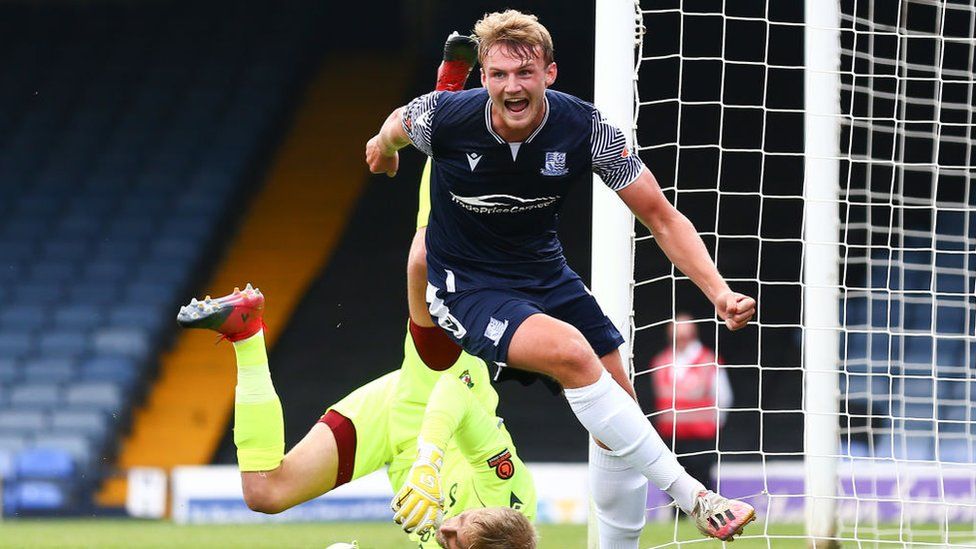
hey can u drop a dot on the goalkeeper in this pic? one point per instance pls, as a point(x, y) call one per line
point(432, 422)
point(435, 429)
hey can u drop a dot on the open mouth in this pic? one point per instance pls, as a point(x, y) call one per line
point(516, 105)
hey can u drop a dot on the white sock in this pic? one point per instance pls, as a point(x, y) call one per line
point(620, 495)
point(612, 417)
point(684, 490)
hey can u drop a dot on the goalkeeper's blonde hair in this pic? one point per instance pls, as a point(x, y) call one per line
point(521, 33)
point(499, 528)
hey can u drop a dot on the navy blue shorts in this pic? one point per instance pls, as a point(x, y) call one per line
point(483, 321)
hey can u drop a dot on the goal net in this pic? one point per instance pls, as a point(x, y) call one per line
point(825, 154)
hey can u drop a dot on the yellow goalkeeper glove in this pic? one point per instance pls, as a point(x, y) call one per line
point(418, 505)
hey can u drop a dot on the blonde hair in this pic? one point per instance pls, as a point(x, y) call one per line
point(521, 33)
point(500, 528)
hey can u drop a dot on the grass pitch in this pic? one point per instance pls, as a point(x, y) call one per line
point(122, 533)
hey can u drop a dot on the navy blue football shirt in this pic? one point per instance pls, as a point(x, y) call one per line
point(494, 204)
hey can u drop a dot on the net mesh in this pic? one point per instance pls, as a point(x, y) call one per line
point(720, 117)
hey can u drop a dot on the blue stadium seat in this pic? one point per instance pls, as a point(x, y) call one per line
point(78, 446)
point(94, 395)
point(64, 343)
point(79, 317)
point(26, 317)
point(73, 249)
point(955, 283)
point(119, 370)
point(40, 395)
point(918, 387)
point(37, 293)
point(16, 344)
point(93, 293)
point(915, 447)
point(123, 341)
point(139, 225)
point(918, 316)
point(24, 228)
point(919, 352)
point(957, 450)
point(11, 269)
point(119, 250)
point(171, 273)
point(950, 356)
point(10, 371)
point(91, 424)
point(920, 448)
point(79, 224)
point(54, 271)
point(108, 270)
point(12, 443)
point(16, 249)
point(22, 422)
point(44, 464)
point(50, 370)
point(176, 249)
point(7, 470)
point(142, 316)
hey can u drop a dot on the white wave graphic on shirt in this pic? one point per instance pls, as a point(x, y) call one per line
point(502, 203)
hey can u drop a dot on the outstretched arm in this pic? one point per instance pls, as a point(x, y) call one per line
point(684, 247)
point(452, 413)
point(381, 149)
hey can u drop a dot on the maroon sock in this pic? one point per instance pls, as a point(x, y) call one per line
point(436, 348)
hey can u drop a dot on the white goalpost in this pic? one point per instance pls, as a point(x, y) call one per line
point(824, 150)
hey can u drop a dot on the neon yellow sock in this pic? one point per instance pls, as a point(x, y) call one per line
point(259, 427)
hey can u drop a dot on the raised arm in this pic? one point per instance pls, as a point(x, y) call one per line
point(408, 124)
point(684, 247)
point(381, 149)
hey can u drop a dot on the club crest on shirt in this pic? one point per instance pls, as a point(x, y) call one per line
point(555, 164)
point(465, 378)
point(502, 464)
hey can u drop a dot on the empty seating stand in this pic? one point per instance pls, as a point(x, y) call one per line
point(912, 372)
point(127, 133)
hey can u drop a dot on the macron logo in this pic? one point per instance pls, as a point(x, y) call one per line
point(473, 159)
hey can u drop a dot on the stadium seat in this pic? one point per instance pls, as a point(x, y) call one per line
point(64, 343)
point(7, 470)
point(16, 344)
point(101, 396)
point(49, 370)
point(37, 293)
point(139, 314)
point(12, 443)
point(119, 370)
point(44, 463)
point(22, 422)
point(54, 271)
point(93, 293)
point(124, 341)
point(23, 317)
point(10, 371)
point(69, 248)
point(957, 450)
point(78, 317)
point(77, 446)
point(92, 424)
point(107, 270)
point(42, 395)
